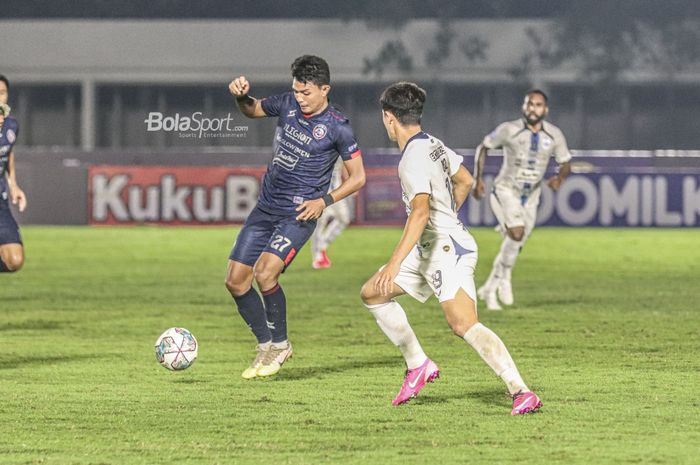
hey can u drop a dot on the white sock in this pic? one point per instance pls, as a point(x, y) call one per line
point(492, 351)
point(280, 345)
point(508, 255)
point(496, 274)
point(392, 319)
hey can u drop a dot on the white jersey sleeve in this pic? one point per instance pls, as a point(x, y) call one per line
point(455, 161)
point(561, 149)
point(496, 138)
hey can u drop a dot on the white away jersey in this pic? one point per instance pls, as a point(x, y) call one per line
point(427, 166)
point(526, 154)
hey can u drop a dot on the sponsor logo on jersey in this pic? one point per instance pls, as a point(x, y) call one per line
point(287, 161)
point(296, 134)
point(437, 153)
point(291, 113)
point(320, 131)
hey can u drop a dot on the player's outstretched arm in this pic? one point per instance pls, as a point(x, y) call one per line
point(249, 106)
point(16, 194)
point(479, 162)
point(415, 224)
point(555, 181)
point(462, 183)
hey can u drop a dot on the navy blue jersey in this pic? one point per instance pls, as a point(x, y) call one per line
point(306, 149)
point(8, 137)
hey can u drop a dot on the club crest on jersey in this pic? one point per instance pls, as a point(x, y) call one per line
point(546, 142)
point(320, 131)
point(11, 136)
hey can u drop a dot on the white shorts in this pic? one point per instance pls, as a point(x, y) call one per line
point(511, 212)
point(442, 268)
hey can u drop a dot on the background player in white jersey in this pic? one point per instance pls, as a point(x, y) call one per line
point(436, 253)
point(528, 143)
point(334, 220)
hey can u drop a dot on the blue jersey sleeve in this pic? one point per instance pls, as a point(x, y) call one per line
point(275, 104)
point(346, 144)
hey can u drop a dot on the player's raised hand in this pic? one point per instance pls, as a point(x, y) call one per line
point(239, 87)
point(18, 198)
point(311, 209)
point(479, 189)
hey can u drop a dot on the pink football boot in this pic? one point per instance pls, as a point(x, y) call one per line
point(415, 381)
point(525, 402)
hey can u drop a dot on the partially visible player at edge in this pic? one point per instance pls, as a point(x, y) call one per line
point(436, 253)
point(528, 143)
point(332, 223)
point(310, 135)
point(11, 248)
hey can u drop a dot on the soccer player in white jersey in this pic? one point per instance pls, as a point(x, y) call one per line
point(332, 223)
point(527, 143)
point(436, 254)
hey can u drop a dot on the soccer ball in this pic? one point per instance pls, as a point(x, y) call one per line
point(176, 349)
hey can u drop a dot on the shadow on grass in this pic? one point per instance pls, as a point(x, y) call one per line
point(10, 361)
point(291, 373)
point(434, 396)
point(31, 325)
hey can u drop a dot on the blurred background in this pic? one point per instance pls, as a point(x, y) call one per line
point(623, 80)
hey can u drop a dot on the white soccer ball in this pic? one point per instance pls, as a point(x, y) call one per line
point(176, 349)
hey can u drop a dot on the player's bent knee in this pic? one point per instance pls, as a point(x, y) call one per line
point(238, 281)
point(237, 287)
point(14, 262)
point(266, 277)
point(367, 293)
point(517, 235)
point(370, 296)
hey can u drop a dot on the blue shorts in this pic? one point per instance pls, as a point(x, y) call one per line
point(9, 231)
point(281, 235)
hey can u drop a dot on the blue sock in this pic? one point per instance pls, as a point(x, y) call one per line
point(251, 309)
point(3, 268)
point(276, 308)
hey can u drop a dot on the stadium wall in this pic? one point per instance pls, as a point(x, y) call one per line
point(629, 189)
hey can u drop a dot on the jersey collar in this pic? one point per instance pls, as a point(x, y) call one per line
point(419, 135)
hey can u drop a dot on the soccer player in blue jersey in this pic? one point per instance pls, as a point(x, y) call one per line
point(11, 248)
point(310, 135)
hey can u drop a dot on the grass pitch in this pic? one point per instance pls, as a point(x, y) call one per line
point(605, 328)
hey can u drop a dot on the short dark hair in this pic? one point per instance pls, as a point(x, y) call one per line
point(4, 79)
point(405, 101)
point(537, 91)
point(313, 69)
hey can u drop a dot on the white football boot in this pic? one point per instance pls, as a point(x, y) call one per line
point(505, 292)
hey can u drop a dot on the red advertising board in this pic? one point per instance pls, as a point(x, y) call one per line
point(174, 195)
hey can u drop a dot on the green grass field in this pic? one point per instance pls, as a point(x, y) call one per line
point(605, 328)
